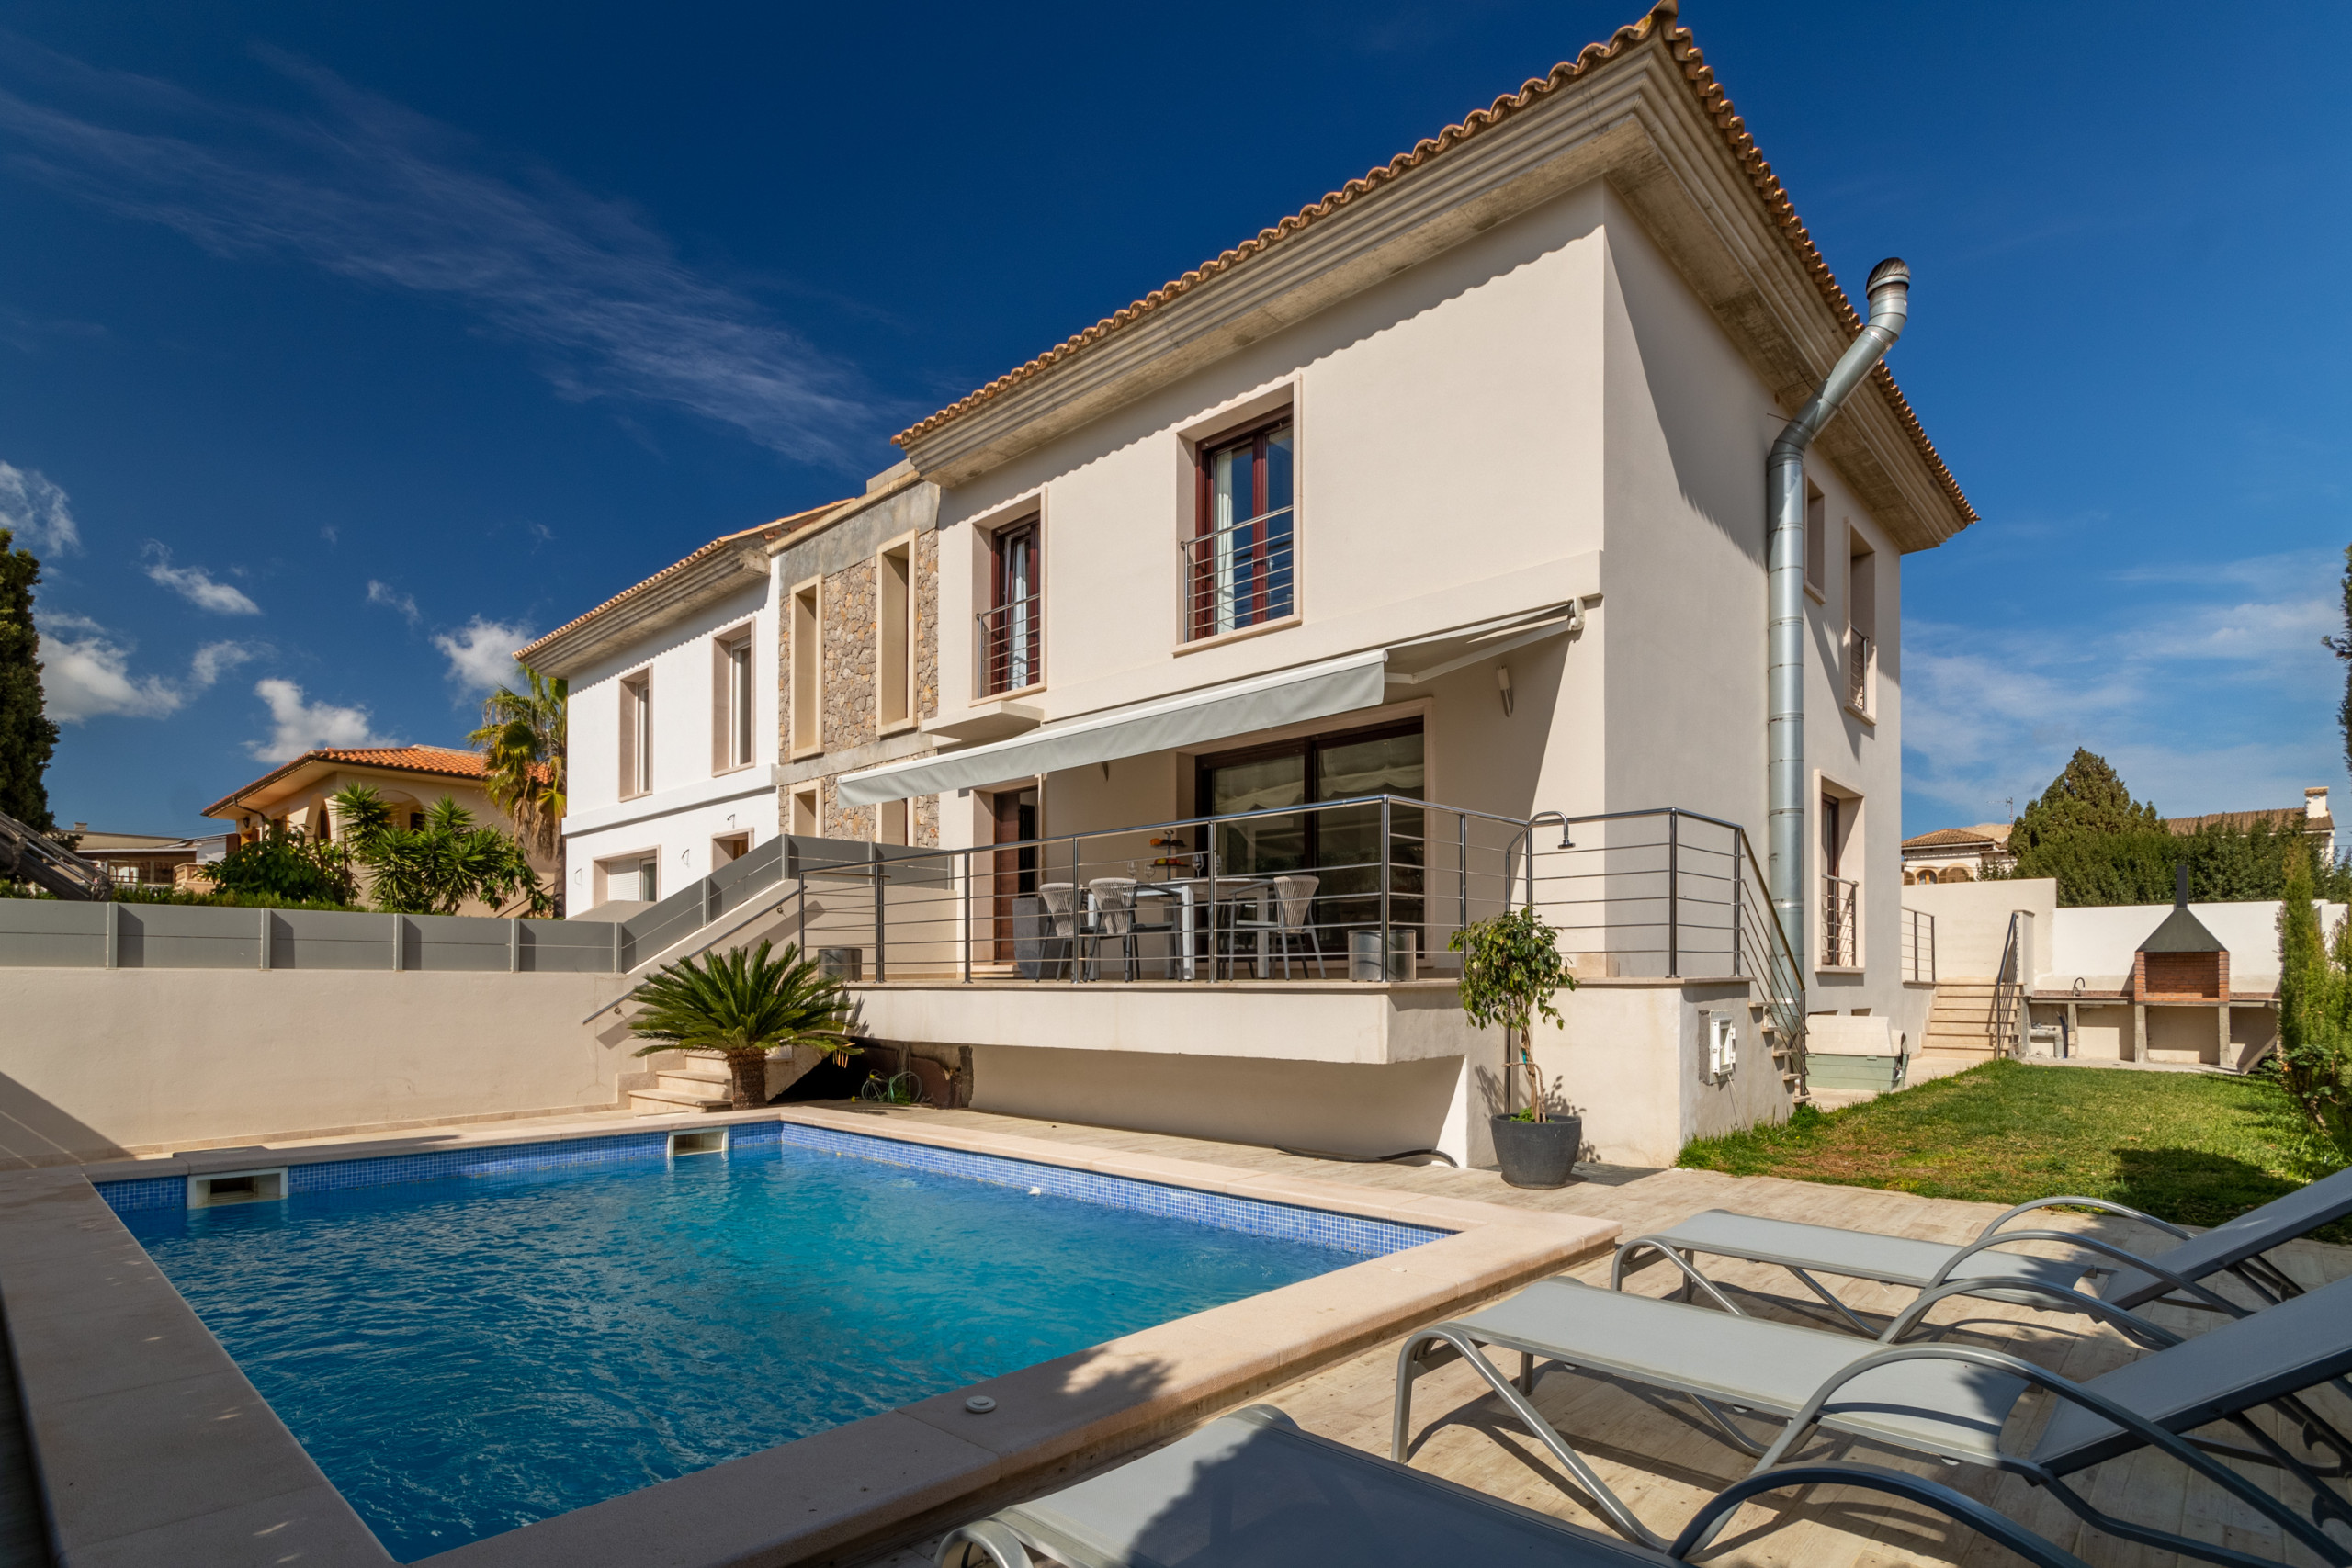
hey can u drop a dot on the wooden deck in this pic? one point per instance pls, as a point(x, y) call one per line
point(1654, 1451)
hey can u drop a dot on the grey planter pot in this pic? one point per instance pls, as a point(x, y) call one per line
point(1538, 1154)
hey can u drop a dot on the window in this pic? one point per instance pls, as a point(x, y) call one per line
point(891, 822)
point(1241, 565)
point(1339, 845)
point(633, 878)
point(807, 656)
point(1862, 627)
point(637, 734)
point(1012, 651)
point(804, 814)
point(894, 660)
point(727, 849)
point(1816, 541)
point(731, 710)
point(1841, 894)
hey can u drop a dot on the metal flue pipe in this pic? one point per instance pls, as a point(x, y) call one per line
point(1889, 289)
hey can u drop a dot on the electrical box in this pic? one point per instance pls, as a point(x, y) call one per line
point(1723, 1045)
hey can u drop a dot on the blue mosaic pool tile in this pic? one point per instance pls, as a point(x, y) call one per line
point(1252, 1216)
point(145, 1192)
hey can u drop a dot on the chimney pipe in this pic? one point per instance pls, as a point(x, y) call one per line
point(1889, 289)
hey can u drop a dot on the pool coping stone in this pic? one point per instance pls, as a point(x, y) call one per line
point(858, 1487)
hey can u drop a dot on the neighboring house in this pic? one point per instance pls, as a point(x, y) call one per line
point(2312, 818)
point(1956, 854)
point(149, 860)
point(411, 779)
point(1966, 854)
point(673, 716)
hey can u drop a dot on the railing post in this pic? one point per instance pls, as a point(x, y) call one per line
point(616, 946)
point(967, 916)
point(1076, 912)
point(514, 945)
point(1386, 968)
point(1462, 865)
point(261, 948)
point(881, 935)
point(396, 940)
point(1673, 895)
point(114, 934)
point(1209, 911)
point(1738, 901)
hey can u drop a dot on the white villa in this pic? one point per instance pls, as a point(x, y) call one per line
point(1450, 489)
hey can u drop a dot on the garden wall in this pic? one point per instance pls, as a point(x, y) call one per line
point(98, 1064)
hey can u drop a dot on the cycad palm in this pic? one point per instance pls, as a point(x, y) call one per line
point(522, 743)
point(742, 1004)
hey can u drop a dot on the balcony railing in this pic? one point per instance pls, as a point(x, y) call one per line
point(1840, 926)
point(1239, 576)
point(1369, 888)
point(1860, 651)
point(1009, 646)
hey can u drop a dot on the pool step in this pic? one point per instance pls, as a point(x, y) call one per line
point(674, 1089)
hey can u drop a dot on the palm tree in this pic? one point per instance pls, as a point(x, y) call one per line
point(743, 1005)
point(434, 869)
point(522, 743)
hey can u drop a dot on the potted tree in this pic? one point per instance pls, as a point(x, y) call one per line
point(1510, 966)
point(743, 1005)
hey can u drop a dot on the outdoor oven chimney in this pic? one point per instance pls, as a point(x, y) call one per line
point(1889, 289)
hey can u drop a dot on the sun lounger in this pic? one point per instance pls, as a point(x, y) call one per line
point(1948, 1402)
point(2126, 1280)
point(1250, 1490)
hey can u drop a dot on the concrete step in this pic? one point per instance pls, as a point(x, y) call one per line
point(1838, 1099)
point(670, 1102)
point(1928, 1065)
point(697, 1079)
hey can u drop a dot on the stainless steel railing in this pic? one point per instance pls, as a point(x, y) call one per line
point(1918, 947)
point(1241, 575)
point(1009, 644)
point(1370, 888)
point(1840, 922)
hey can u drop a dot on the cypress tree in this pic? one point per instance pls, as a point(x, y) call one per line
point(2341, 648)
point(27, 736)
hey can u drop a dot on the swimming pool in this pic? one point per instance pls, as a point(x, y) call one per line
point(470, 1353)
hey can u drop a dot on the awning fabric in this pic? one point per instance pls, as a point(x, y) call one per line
point(1213, 713)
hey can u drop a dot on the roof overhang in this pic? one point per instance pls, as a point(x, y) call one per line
point(1648, 119)
point(693, 585)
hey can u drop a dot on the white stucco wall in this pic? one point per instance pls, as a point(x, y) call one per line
point(97, 1063)
point(691, 802)
point(2097, 944)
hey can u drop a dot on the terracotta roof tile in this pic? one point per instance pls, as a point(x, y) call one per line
point(1949, 838)
point(774, 530)
point(1713, 100)
point(2280, 818)
point(442, 762)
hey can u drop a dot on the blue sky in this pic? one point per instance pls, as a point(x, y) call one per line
point(343, 347)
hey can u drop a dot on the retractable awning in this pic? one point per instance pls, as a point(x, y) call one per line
point(1213, 713)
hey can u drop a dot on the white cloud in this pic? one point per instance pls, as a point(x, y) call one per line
point(481, 652)
point(196, 585)
point(392, 598)
point(35, 511)
point(88, 675)
point(297, 725)
point(375, 193)
point(2207, 688)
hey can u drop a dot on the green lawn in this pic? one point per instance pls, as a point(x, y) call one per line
point(2186, 1148)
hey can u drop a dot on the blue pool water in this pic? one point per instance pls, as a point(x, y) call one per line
point(466, 1355)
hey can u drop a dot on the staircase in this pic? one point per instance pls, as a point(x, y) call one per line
point(700, 1082)
point(1965, 1028)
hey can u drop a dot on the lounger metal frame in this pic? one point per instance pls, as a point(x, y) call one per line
point(1430, 1348)
point(1010, 1538)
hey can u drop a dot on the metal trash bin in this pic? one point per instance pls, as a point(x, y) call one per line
point(841, 963)
point(1363, 954)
